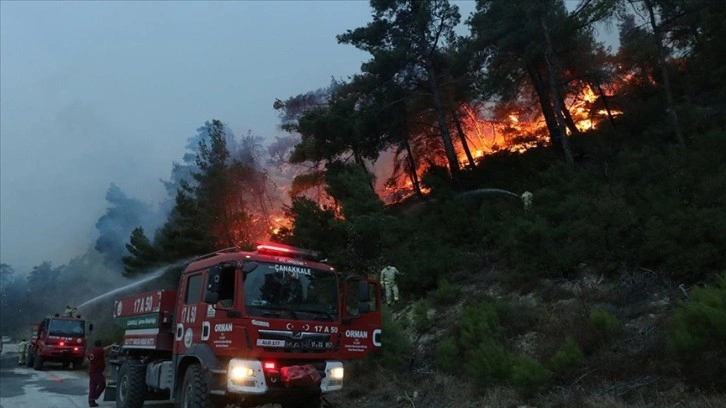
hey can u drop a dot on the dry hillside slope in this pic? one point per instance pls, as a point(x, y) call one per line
point(619, 327)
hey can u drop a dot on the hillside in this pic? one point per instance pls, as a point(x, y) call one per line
point(624, 365)
point(604, 293)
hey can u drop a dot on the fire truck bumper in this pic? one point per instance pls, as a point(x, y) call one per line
point(249, 377)
point(58, 354)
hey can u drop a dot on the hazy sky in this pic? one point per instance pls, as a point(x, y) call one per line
point(100, 92)
point(93, 93)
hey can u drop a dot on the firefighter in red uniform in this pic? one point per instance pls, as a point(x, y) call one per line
point(96, 366)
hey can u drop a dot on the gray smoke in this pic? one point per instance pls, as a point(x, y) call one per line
point(123, 214)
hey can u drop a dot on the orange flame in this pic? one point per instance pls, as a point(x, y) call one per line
point(490, 128)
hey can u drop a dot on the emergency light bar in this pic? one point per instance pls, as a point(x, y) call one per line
point(287, 250)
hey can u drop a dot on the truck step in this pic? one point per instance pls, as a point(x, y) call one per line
point(110, 393)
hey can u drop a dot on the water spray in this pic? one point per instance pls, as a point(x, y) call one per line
point(488, 191)
point(526, 198)
point(153, 275)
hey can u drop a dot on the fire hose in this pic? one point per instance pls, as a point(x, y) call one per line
point(526, 197)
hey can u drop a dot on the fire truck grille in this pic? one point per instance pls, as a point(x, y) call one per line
point(294, 342)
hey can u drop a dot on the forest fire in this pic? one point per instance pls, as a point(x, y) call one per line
point(278, 222)
point(519, 128)
point(514, 126)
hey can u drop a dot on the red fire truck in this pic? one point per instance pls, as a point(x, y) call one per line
point(58, 339)
point(245, 328)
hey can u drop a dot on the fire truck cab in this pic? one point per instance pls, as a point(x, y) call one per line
point(58, 339)
point(246, 328)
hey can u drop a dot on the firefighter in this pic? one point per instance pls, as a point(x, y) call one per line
point(69, 311)
point(527, 199)
point(388, 279)
point(22, 351)
point(96, 366)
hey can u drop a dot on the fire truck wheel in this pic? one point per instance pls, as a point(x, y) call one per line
point(310, 402)
point(193, 393)
point(66, 364)
point(131, 385)
point(38, 362)
point(78, 364)
point(30, 358)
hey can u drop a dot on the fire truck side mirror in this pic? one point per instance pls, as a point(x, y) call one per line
point(211, 288)
point(248, 267)
point(90, 327)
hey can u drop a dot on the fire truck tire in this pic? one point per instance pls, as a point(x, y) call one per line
point(310, 402)
point(38, 362)
point(78, 364)
point(30, 358)
point(66, 364)
point(193, 393)
point(131, 385)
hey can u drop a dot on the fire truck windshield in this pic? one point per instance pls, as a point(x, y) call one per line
point(297, 292)
point(60, 327)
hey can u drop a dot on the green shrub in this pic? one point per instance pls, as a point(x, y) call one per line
point(395, 344)
point(697, 335)
point(478, 322)
point(603, 324)
point(489, 362)
point(446, 293)
point(567, 357)
point(700, 324)
point(517, 317)
point(447, 355)
point(421, 320)
point(686, 242)
point(528, 375)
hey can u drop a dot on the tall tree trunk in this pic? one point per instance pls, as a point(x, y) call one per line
point(412, 168)
point(462, 137)
point(362, 164)
point(445, 134)
point(261, 196)
point(568, 119)
point(457, 123)
point(544, 101)
point(556, 98)
point(673, 115)
point(606, 103)
point(409, 155)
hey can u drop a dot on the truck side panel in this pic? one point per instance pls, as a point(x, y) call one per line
point(146, 319)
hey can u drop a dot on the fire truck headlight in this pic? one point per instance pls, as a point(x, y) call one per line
point(246, 377)
point(238, 373)
point(336, 373)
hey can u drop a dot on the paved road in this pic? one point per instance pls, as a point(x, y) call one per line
point(53, 387)
point(23, 387)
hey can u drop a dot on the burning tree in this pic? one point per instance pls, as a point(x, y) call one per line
point(225, 204)
point(406, 39)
